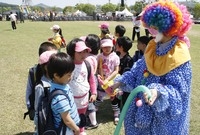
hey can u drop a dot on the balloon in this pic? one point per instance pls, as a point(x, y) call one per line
point(133, 93)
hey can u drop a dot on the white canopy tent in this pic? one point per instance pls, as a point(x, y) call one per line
point(126, 12)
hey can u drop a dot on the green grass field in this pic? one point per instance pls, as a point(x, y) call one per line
point(19, 51)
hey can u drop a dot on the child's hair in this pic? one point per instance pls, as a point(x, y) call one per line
point(93, 42)
point(71, 46)
point(125, 42)
point(45, 46)
point(105, 31)
point(60, 33)
point(61, 64)
point(120, 29)
point(144, 39)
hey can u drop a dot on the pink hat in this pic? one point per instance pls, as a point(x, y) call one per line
point(83, 38)
point(104, 25)
point(44, 57)
point(106, 43)
point(80, 46)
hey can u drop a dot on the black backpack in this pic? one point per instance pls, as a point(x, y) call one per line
point(45, 114)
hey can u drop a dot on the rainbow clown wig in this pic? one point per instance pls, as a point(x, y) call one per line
point(167, 17)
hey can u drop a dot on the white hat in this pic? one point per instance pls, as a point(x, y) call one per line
point(55, 27)
point(106, 43)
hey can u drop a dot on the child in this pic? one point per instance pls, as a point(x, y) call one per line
point(57, 37)
point(141, 45)
point(34, 76)
point(120, 30)
point(80, 83)
point(44, 82)
point(123, 45)
point(108, 68)
point(165, 69)
point(60, 68)
point(105, 32)
point(93, 42)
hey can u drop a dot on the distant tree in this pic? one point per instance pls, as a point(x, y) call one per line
point(36, 8)
point(109, 7)
point(196, 10)
point(68, 9)
point(5, 9)
point(54, 9)
point(88, 9)
point(138, 6)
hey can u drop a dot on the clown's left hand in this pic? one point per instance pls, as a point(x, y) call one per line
point(154, 95)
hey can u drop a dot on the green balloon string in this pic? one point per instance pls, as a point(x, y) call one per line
point(133, 93)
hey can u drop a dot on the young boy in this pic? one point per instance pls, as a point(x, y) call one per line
point(141, 46)
point(60, 68)
point(123, 45)
point(120, 30)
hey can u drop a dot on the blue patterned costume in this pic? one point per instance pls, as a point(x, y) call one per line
point(169, 115)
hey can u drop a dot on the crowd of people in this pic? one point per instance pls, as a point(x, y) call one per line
point(94, 58)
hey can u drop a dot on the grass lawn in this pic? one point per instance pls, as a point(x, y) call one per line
point(19, 51)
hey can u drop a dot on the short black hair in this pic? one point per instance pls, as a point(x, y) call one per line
point(71, 46)
point(125, 42)
point(93, 42)
point(144, 39)
point(120, 29)
point(45, 47)
point(61, 64)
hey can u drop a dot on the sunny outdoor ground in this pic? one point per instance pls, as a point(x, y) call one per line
point(19, 51)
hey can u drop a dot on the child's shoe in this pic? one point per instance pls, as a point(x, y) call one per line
point(116, 120)
point(92, 126)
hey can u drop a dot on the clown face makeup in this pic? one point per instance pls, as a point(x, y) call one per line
point(158, 36)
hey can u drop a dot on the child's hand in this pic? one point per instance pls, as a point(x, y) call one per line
point(49, 39)
point(93, 98)
point(115, 86)
point(77, 132)
point(154, 95)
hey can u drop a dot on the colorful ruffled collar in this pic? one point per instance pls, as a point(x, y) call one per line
point(160, 62)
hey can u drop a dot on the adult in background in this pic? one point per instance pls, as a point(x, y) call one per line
point(13, 20)
point(165, 69)
point(136, 26)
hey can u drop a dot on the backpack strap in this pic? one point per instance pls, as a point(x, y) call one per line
point(88, 66)
point(53, 94)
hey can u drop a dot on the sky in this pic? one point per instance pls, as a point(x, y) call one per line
point(63, 3)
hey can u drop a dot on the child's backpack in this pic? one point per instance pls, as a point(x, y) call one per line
point(45, 114)
point(31, 111)
point(88, 66)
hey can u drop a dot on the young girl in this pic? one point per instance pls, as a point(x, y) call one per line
point(108, 67)
point(93, 42)
point(60, 68)
point(44, 82)
point(80, 82)
point(57, 37)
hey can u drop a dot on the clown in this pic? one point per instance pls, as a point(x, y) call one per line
point(167, 61)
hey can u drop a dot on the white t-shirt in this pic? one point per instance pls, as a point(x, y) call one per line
point(80, 86)
point(13, 17)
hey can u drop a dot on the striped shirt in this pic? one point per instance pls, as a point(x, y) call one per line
point(61, 104)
